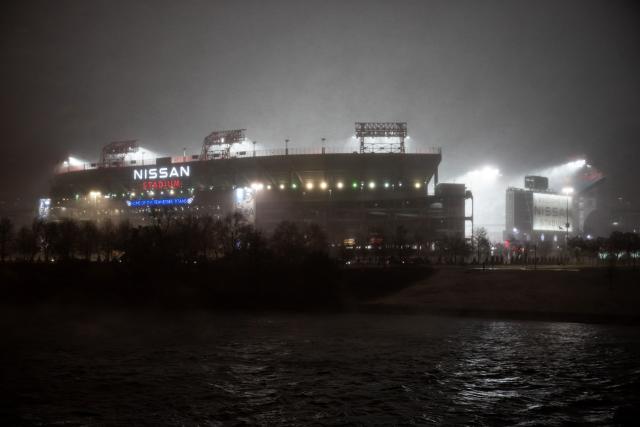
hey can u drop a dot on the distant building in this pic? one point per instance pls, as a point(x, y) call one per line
point(535, 213)
point(536, 183)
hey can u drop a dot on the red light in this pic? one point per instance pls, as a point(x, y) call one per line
point(162, 184)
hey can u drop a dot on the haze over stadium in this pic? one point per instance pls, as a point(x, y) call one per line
point(521, 89)
point(319, 212)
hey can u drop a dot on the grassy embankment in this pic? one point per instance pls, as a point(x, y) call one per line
point(572, 294)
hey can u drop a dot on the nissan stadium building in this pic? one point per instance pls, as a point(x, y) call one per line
point(352, 195)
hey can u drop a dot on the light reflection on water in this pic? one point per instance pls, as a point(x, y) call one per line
point(326, 369)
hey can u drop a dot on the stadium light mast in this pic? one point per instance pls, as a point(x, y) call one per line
point(397, 131)
point(217, 145)
point(114, 153)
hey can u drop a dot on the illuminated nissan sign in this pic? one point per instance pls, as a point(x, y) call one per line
point(550, 212)
point(161, 173)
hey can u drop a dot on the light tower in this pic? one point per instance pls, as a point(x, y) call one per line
point(397, 131)
point(217, 145)
point(114, 153)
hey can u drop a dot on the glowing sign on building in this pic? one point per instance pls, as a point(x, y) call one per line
point(245, 203)
point(44, 207)
point(160, 202)
point(169, 184)
point(550, 212)
point(161, 173)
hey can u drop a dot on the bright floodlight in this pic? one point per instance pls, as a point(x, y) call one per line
point(282, 186)
point(309, 185)
point(567, 190)
point(372, 185)
point(74, 161)
point(323, 185)
point(576, 164)
point(340, 185)
point(417, 185)
point(94, 194)
point(487, 174)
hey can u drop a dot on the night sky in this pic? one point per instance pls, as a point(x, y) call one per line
point(516, 84)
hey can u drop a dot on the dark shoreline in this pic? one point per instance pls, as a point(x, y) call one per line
point(316, 285)
point(567, 295)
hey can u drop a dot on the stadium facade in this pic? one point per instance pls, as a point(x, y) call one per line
point(354, 196)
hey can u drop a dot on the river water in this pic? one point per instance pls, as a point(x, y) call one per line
point(321, 369)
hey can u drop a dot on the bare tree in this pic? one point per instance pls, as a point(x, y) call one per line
point(481, 243)
point(287, 242)
point(107, 239)
point(89, 239)
point(66, 239)
point(6, 237)
point(315, 239)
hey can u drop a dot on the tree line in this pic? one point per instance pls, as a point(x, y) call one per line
point(193, 239)
point(165, 239)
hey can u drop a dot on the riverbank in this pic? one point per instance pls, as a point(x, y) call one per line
point(549, 293)
point(552, 293)
point(315, 284)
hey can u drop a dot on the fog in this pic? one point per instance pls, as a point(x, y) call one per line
point(516, 85)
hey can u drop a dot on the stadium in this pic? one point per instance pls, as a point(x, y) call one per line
point(357, 197)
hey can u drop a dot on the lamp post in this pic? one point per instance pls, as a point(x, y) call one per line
point(567, 191)
point(254, 148)
point(323, 141)
point(286, 147)
point(95, 196)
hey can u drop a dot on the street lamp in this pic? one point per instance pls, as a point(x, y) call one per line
point(286, 147)
point(567, 191)
point(323, 141)
point(95, 196)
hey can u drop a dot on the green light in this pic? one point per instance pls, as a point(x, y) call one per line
point(294, 186)
point(354, 185)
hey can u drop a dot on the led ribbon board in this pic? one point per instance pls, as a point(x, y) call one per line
point(160, 202)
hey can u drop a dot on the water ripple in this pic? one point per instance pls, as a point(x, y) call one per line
point(327, 370)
